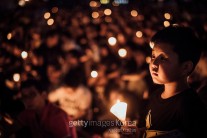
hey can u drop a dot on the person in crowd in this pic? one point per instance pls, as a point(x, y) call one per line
point(44, 120)
point(54, 76)
point(73, 97)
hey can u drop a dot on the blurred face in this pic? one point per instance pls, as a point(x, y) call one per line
point(71, 60)
point(52, 41)
point(32, 99)
point(53, 75)
point(164, 66)
point(139, 58)
point(114, 96)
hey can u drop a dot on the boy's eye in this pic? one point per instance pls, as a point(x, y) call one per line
point(152, 57)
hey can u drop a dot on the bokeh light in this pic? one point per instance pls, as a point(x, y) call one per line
point(22, 3)
point(104, 1)
point(24, 54)
point(148, 60)
point(112, 41)
point(54, 10)
point(139, 34)
point(134, 13)
point(94, 74)
point(167, 16)
point(166, 23)
point(152, 44)
point(95, 15)
point(16, 77)
point(9, 36)
point(50, 22)
point(93, 4)
point(122, 52)
point(47, 15)
point(107, 12)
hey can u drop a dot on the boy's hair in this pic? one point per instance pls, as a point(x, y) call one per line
point(32, 83)
point(183, 40)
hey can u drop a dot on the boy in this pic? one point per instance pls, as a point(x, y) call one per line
point(175, 110)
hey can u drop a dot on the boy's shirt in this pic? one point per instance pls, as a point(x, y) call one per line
point(183, 112)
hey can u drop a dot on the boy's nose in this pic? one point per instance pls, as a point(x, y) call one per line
point(155, 62)
point(154, 65)
point(154, 68)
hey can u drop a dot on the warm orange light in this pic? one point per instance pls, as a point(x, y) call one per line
point(139, 34)
point(95, 15)
point(54, 9)
point(107, 12)
point(148, 59)
point(47, 15)
point(167, 16)
point(22, 3)
point(93, 4)
point(50, 22)
point(134, 13)
point(166, 23)
point(9, 36)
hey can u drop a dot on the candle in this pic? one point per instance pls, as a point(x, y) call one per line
point(119, 110)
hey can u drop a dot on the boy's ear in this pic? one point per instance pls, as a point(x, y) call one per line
point(187, 68)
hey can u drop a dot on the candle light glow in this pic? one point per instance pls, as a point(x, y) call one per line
point(119, 110)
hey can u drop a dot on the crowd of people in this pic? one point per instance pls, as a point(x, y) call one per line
point(85, 59)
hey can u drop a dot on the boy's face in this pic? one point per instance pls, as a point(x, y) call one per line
point(164, 66)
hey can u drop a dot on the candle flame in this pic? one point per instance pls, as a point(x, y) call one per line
point(119, 110)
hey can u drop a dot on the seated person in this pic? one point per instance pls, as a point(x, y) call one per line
point(44, 119)
point(73, 97)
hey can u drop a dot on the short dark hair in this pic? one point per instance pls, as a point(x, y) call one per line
point(184, 41)
point(32, 83)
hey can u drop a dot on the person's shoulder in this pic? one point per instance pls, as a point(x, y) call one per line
point(27, 113)
point(53, 109)
point(83, 90)
point(26, 117)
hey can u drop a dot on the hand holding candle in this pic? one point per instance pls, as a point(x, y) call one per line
point(119, 110)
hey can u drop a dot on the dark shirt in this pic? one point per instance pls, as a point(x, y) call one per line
point(184, 112)
point(52, 123)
